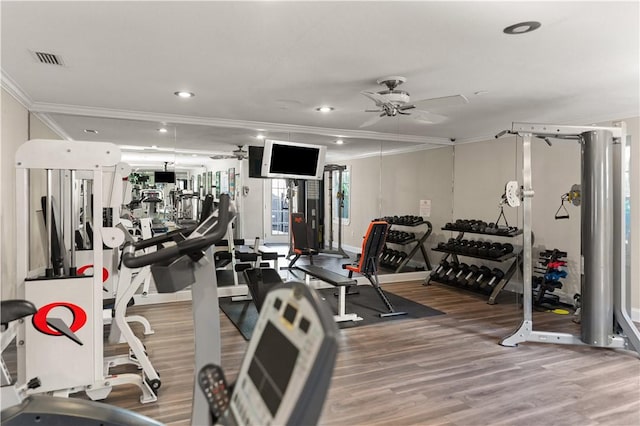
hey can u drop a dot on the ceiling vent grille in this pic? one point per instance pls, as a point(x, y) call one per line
point(48, 58)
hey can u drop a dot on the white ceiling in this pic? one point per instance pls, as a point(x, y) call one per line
point(268, 65)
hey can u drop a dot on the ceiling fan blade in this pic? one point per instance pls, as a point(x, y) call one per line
point(372, 120)
point(375, 97)
point(445, 101)
point(428, 117)
point(373, 110)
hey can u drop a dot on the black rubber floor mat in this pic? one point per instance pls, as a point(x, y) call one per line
point(368, 305)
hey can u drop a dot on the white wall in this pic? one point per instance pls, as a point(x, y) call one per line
point(14, 123)
point(251, 206)
point(482, 169)
point(17, 127)
point(393, 185)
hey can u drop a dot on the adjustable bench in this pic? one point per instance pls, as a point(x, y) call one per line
point(334, 279)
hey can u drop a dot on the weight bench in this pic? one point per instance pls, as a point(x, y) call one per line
point(372, 246)
point(336, 280)
point(302, 238)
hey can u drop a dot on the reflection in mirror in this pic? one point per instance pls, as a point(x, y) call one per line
point(417, 198)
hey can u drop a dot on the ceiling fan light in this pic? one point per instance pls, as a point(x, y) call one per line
point(339, 142)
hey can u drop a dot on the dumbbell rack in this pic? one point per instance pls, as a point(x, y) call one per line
point(513, 256)
point(419, 245)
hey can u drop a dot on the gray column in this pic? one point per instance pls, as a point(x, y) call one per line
point(597, 237)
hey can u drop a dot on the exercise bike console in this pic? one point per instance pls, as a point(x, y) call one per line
point(288, 365)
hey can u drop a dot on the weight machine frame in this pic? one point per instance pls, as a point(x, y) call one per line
point(605, 319)
point(330, 168)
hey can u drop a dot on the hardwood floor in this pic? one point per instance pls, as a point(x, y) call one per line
point(442, 370)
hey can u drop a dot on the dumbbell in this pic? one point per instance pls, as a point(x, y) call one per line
point(401, 256)
point(484, 275)
point(498, 274)
point(554, 275)
point(469, 279)
point(472, 247)
point(443, 265)
point(445, 273)
point(535, 282)
point(393, 258)
point(495, 250)
point(386, 255)
point(483, 249)
point(491, 228)
point(463, 270)
point(451, 273)
point(463, 246)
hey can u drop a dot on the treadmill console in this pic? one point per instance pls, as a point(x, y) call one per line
point(286, 372)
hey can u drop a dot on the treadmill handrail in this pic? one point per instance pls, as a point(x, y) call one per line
point(188, 246)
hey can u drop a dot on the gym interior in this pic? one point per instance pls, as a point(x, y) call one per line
point(446, 193)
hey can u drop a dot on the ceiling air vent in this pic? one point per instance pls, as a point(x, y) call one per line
point(48, 58)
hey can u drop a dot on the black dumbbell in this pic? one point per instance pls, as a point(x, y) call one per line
point(483, 249)
point(495, 250)
point(401, 256)
point(462, 272)
point(484, 275)
point(473, 247)
point(498, 274)
point(436, 272)
point(451, 273)
point(469, 279)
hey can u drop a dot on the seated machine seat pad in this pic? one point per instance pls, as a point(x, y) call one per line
point(12, 310)
point(326, 275)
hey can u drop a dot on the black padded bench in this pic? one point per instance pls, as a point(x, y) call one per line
point(337, 280)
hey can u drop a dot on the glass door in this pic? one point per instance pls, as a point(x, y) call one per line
point(276, 211)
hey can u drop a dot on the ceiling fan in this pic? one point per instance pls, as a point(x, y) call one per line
point(393, 102)
point(238, 154)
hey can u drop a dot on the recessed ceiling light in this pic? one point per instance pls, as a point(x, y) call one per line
point(162, 130)
point(339, 141)
point(184, 94)
point(324, 108)
point(261, 137)
point(194, 155)
point(154, 146)
point(95, 132)
point(522, 27)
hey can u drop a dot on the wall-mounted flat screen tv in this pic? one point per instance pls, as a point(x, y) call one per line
point(292, 160)
point(164, 177)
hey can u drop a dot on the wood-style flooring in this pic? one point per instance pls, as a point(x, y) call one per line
point(442, 370)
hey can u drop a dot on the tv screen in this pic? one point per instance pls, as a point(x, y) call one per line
point(165, 177)
point(255, 161)
point(293, 160)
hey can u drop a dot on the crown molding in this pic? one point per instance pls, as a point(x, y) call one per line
point(385, 153)
point(12, 88)
point(49, 122)
point(43, 107)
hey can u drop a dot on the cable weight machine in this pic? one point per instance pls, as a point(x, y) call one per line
point(605, 292)
point(330, 168)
